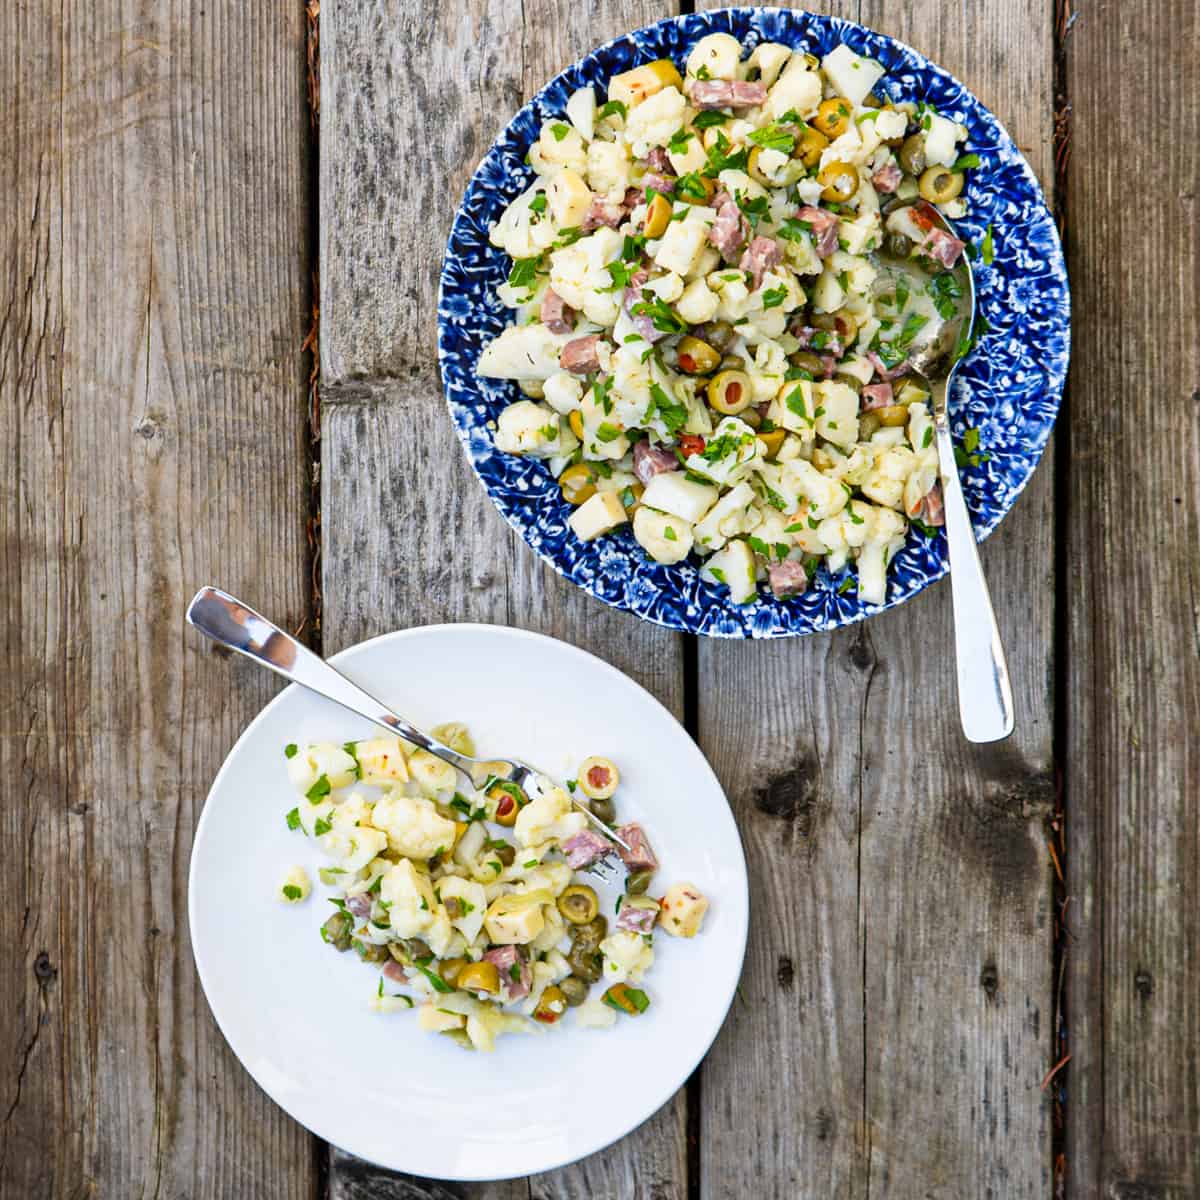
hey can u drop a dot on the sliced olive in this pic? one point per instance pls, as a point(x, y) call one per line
point(636, 882)
point(892, 416)
point(939, 184)
point(578, 482)
point(838, 180)
point(591, 934)
point(809, 145)
point(912, 154)
point(579, 904)
point(896, 245)
point(551, 1005)
point(479, 977)
point(843, 323)
point(697, 357)
point(586, 962)
point(574, 989)
point(509, 799)
point(833, 117)
point(658, 216)
point(868, 424)
point(336, 931)
point(806, 360)
point(730, 392)
point(733, 362)
point(606, 810)
point(598, 777)
point(451, 969)
point(627, 999)
point(772, 440)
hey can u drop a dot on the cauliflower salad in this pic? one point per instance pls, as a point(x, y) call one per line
point(711, 344)
point(468, 901)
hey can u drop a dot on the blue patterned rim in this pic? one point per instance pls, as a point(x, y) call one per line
point(1009, 388)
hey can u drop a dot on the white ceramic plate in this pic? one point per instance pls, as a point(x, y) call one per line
point(296, 1013)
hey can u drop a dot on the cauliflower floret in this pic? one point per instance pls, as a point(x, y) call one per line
point(683, 909)
point(433, 774)
point(308, 765)
point(409, 897)
point(768, 59)
point(526, 427)
point(847, 148)
point(733, 566)
point(627, 956)
point(654, 121)
point(941, 141)
point(890, 124)
point(578, 275)
point(885, 483)
point(413, 825)
point(698, 302)
point(295, 886)
point(860, 235)
point(666, 538)
point(593, 1013)
point(715, 56)
point(434, 1020)
point(837, 413)
point(520, 231)
point(609, 169)
point(563, 392)
point(732, 514)
point(667, 287)
point(885, 539)
point(523, 352)
point(558, 146)
point(730, 455)
point(351, 841)
point(547, 816)
point(465, 903)
point(825, 496)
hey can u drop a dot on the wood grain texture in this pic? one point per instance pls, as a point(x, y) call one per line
point(410, 537)
point(152, 306)
point(1133, 658)
point(893, 1023)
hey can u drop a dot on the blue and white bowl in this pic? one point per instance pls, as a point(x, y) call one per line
point(1008, 389)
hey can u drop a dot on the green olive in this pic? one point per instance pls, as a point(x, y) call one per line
point(912, 154)
point(506, 853)
point(579, 904)
point(479, 977)
point(843, 322)
point(896, 245)
point(939, 184)
point(620, 996)
point(772, 440)
point(658, 216)
point(369, 951)
point(591, 934)
point(868, 424)
point(598, 777)
point(551, 1005)
point(752, 168)
point(806, 360)
point(851, 381)
point(586, 962)
point(575, 990)
point(838, 180)
point(509, 800)
point(730, 392)
point(833, 117)
point(719, 334)
point(451, 969)
point(336, 931)
point(892, 416)
point(809, 145)
point(605, 809)
point(697, 357)
point(637, 882)
point(578, 483)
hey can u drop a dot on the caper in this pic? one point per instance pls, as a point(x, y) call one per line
point(838, 180)
point(575, 990)
point(605, 809)
point(733, 362)
point(809, 145)
point(591, 934)
point(697, 357)
point(833, 117)
point(806, 360)
point(636, 882)
point(578, 482)
point(868, 424)
point(598, 777)
point(336, 931)
point(892, 415)
point(658, 216)
point(579, 904)
point(939, 184)
point(719, 334)
point(551, 1005)
point(585, 962)
point(369, 951)
point(896, 245)
point(479, 977)
point(504, 852)
point(730, 392)
point(912, 154)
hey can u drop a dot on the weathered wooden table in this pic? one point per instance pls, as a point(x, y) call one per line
point(930, 919)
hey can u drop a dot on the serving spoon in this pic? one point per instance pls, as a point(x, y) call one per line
point(236, 626)
point(985, 702)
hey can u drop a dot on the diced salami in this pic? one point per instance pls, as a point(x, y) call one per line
point(639, 856)
point(720, 198)
point(649, 461)
point(932, 510)
point(824, 227)
point(788, 578)
point(557, 315)
point(641, 322)
point(724, 93)
point(884, 371)
point(603, 212)
point(829, 364)
point(636, 918)
point(657, 160)
point(516, 975)
point(942, 247)
point(663, 184)
point(585, 848)
point(762, 255)
point(580, 355)
point(876, 395)
point(729, 231)
point(359, 905)
point(887, 178)
point(395, 972)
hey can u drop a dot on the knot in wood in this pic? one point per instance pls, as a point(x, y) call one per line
point(1144, 982)
point(989, 980)
point(43, 969)
point(862, 653)
point(785, 973)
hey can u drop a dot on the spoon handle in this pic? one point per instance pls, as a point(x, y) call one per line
point(235, 625)
point(985, 702)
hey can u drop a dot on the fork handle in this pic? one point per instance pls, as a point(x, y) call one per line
point(235, 625)
point(985, 702)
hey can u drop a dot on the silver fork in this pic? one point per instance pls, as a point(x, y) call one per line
point(238, 627)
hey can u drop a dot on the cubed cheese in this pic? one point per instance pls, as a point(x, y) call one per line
point(683, 909)
point(672, 492)
point(681, 246)
point(568, 197)
point(850, 75)
point(597, 516)
point(837, 412)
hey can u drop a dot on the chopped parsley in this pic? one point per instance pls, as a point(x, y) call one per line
point(966, 162)
point(793, 230)
point(568, 235)
point(846, 585)
point(987, 251)
point(321, 827)
point(721, 159)
point(753, 207)
point(524, 272)
point(690, 187)
point(538, 203)
point(514, 972)
point(291, 891)
point(679, 141)
point(774, 297)
point(920, 525)
point(621, 273)
point(612, 108)
point(717, 574)
point(706, 120)
point(435, 980)
point(944, 290)
point(661, 314)
point(775, 137)
point(463, 805)
point(673, 412)
point(293, 819)
point(670, 534)
point(290, 750)
point(967, 454)
point(319, 790)
point(560, 131)
point(608, 433)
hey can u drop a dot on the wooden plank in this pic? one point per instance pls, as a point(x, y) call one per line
point(894, 1016)
point(1133, 661)
point(152, 307)
point(394, 477)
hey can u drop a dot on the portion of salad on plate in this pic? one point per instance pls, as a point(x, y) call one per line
point(712, 344)
point(469, 901)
